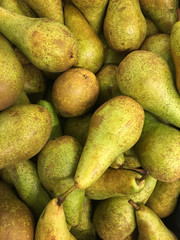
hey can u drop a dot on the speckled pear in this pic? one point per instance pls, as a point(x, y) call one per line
point(11, 5)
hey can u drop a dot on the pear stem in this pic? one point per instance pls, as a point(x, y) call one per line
point(63, 197)
point(178, 13)
point(142, 171)
point(134, 204)
point(146, 173)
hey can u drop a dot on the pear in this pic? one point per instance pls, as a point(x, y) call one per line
point(25, 179)
point(22, 99)
point(56, 125)
point(150, 225)
point(146, 77)
point(158, 149)
point(22, 58)
point(114, 219)
point(11, 5)
point(52, 223)
point(26, 9)
point(114, 128)
point(93, 11)
point(118, 162)
point(16, 220)
point(175, 48)
point(124, 25)
point(90, 48)
point(163, 13)
point(41, 40)
point(130, 159)
point(164, 198)
point(78, 127)
point(24, 130)
point(151, 27)
point(49, 9)
point(160, 44)
point(12, 78)
point(114, 183)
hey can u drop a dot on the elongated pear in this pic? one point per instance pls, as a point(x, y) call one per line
point(164, 198)
point(114, 183)
point(94, 12)
point(162, 12)
point(158, 149)
point(146, 77)
point(150, 226)
point(12, 78)
point(114, 128)
point(49, 9)
point(52, 223)
point(90, 48)
point(24, 130)
point(41, 40)
point(124, 25)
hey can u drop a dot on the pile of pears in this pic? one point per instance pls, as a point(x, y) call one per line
point(89, 120)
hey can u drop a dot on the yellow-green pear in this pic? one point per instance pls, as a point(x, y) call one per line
point(118, 162)
point(11, 5)
point(130, 159)
point(26, 9)
point(151, 27)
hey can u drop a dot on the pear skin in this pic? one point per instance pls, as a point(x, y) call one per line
point(124, 25)
point(24, 130)
point(11, 5)
point(52, 223)
point(90, 48)
point(12, 78)
point(151, 27)
point(118, 162)
point(26, 9)
point(22, 99)
point(146, 77)
point(114, 128)
point(130, 159)
point(41, 40)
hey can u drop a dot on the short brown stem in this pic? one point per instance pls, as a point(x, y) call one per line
point(134, 204)
point(63, 197)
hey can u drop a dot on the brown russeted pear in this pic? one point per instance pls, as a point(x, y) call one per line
point(160, 44)
point(52, 223)
point(24, 130)
point(12, 75)
point(56, 125)
point(162, 12)
point(175, 48)
point(150, 226)
point(158, 149)
point(78, 127)
point(114, 219)
point(56, 166)
point(114, 128)
point(41, 40)
point(146, 77)
point(16, 220)
point(48, 9)
point(94, 12)
point(90, 48)
point(115, 183)
point(151, 27)
point(85, 229)
point(124, 25)
point(164, 198)
point(25, 179)
point(108, 87)
point(118, 162)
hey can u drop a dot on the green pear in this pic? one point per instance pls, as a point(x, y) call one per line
point(56, 125)
point(114, 128)
point(175, 48)
point(16, 220)
point(146, 77)
point(56, 166)
point(151, 27)
point(26, 9)
point(107, 83)
point(52, 223)
point(11, 5)
point(130, 159)
point(41, 40)
point(48, 9)
point(90, 48)
point(162, 12)
point(158, 149)
point(150, 226)
point(22, 99)
point(114, 219)
point(12, 78)
point(164, 198)
point(85, 229)
point(124, 25)
point(24, 130)
point(115, 183)
point(160, 44)
point(22, 58)
point(93, 11)
point(78, 127)
point(118, 162)
point(25, 179)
